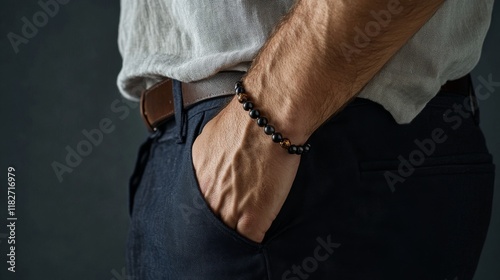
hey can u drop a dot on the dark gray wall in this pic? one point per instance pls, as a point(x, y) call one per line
point(61, 82)
point(58, 84)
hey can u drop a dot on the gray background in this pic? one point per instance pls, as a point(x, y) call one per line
point(62, 82)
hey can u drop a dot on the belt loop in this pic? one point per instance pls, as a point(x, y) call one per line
point(179, 114)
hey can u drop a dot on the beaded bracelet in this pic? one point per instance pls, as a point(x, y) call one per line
point(263, 122)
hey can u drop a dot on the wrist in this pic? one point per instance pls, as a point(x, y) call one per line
point(284, 111)
point(245, 131)
point(262, 118)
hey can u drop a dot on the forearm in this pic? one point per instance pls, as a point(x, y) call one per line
point(311, 66)
point(299, 79)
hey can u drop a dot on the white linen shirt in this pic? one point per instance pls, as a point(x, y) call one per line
point(190, 40)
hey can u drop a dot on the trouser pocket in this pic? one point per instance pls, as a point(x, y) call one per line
point(174, 234)
point(434, 216)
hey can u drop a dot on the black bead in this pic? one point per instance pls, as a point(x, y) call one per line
point(292, 150)
point(277, 137)
point(248, 105)
point(307, 148)
point(254, 113)
point(239, 90)
point(269, 129)
point(300, 150)
point(262, 121)
point(238, 84)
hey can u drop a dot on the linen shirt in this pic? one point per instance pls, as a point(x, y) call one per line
point(190, 40)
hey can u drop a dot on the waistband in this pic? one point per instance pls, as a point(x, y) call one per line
point(162, 101)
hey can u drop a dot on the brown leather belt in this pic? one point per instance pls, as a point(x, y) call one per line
point(461, 86)
point(157, 103)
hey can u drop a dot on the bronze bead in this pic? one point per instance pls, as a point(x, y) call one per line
point(242, 97)
point(285, 144)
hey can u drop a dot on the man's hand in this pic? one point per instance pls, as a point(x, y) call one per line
point(302, 76)
point(244, 176)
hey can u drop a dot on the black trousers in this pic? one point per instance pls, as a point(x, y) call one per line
point(372, 200)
